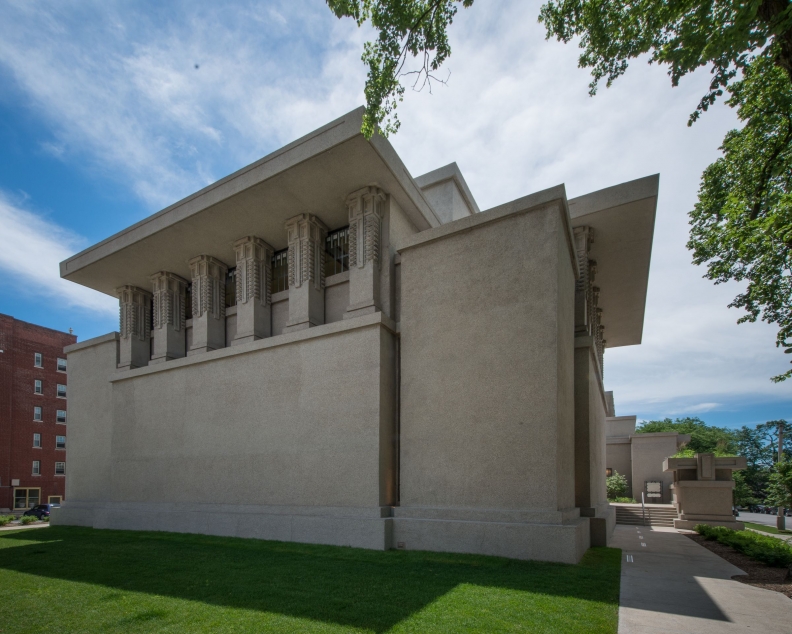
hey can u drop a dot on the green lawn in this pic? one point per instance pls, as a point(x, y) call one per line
point(70, 579)
point(768, 529)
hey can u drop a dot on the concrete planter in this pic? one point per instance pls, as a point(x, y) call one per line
point(702, 490)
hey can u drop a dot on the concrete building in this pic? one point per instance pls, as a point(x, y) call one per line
point(33, 414)
point(322, 348)
point(640, 457)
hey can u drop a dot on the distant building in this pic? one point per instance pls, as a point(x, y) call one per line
point(322, 348)
point(33, 414)
point(640, 457)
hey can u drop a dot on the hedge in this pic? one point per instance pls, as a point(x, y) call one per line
point(768, 550)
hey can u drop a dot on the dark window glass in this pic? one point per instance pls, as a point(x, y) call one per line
point(188, 303)
point(230, 287)
point(280, 271)
point(337, 251)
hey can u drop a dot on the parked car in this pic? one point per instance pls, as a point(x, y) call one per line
point(42, 510)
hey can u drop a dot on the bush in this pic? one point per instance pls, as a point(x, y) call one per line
point(28, 519)
point(616, 485)
point(5, 519)
point(768, 550)
point(622, 500)
point(45, 518)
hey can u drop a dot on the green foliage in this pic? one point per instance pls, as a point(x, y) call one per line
point(28, 519)
point(406, 28)
point(622, 500)
point(759, 445)
point(741, 226)
point(703, 438)
point(768, 550)
point(683, 35)
point(616, 485)
point(5, 519)
point(766, 529)
point(89, 580)
point(743, 492)
point(779, 489)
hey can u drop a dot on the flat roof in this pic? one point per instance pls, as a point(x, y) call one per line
point(313, 174)
point(623, 219)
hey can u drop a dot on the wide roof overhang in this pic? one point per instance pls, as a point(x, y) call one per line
point(313, 174)
point(623, 219)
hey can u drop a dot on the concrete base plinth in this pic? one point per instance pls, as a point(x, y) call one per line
point(689, 525)
point(566, 543)
point(336, 526)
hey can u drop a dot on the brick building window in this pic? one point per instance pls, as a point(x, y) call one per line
point(61, 391)
point(60, 442)
point(61, 365)
point(36, 467)
point(38, 360)
point(60, 416)
point(37, 414)
point(26, 498)
point(60, 468)
point(38, 387)
point(37, 440)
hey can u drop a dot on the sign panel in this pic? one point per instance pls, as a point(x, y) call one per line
point(654, 489)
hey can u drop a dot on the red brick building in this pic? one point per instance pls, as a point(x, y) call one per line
point(33, 414)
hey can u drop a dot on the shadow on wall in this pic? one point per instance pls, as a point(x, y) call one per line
point(373, 590)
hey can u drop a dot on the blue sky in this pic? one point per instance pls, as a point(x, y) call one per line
point(105, 119)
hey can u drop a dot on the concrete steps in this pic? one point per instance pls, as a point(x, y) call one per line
point(656, 515)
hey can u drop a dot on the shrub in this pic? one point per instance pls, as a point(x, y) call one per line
point(768, 550)
point(623, 500)
point(45, 518)
point(5, 519)
point(616, 485)
point(28, 519)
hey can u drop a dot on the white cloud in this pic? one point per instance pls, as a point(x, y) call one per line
point(32, 249)
point(121, 93)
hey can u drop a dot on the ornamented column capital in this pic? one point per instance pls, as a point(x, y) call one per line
point(169, 300)
point(365, 225)
point(306, 237)
point(134, 305)
point(208, 286)
point(588, 315)
point(134, 347)
point(254, 270)
point(253, 289)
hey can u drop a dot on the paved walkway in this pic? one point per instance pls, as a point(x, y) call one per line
point(671, 584)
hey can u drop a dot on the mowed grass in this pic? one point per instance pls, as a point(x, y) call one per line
point(70, 579)
point(768, 529)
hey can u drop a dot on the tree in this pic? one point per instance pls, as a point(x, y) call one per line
point(416, 28)
point(616, 485)
point(742, 224)
point(779, 489)
point(703, 438)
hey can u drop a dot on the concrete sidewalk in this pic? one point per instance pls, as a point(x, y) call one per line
point(671, 584)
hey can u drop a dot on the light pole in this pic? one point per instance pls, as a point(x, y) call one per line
point(780, 520)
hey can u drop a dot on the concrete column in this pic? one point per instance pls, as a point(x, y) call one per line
point(208, 304)
point(135, 326)
point(167, 333)
point(306, 235)
point(253, 289)
point(365, 245)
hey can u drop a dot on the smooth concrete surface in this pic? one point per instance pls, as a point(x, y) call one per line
point(648, 453)
point(671, 584)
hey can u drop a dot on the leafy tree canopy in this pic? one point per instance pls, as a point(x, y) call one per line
point(742, 223)
point(703, 438)
point(407, 28)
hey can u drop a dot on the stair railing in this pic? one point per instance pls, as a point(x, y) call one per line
point(643, 509)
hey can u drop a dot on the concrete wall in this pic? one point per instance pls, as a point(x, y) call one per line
point(90, 462)
point(486, 415)
point(447, 201)
point(618, 456)
point(619, 426)
point(272, 432)
point(648, 453)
